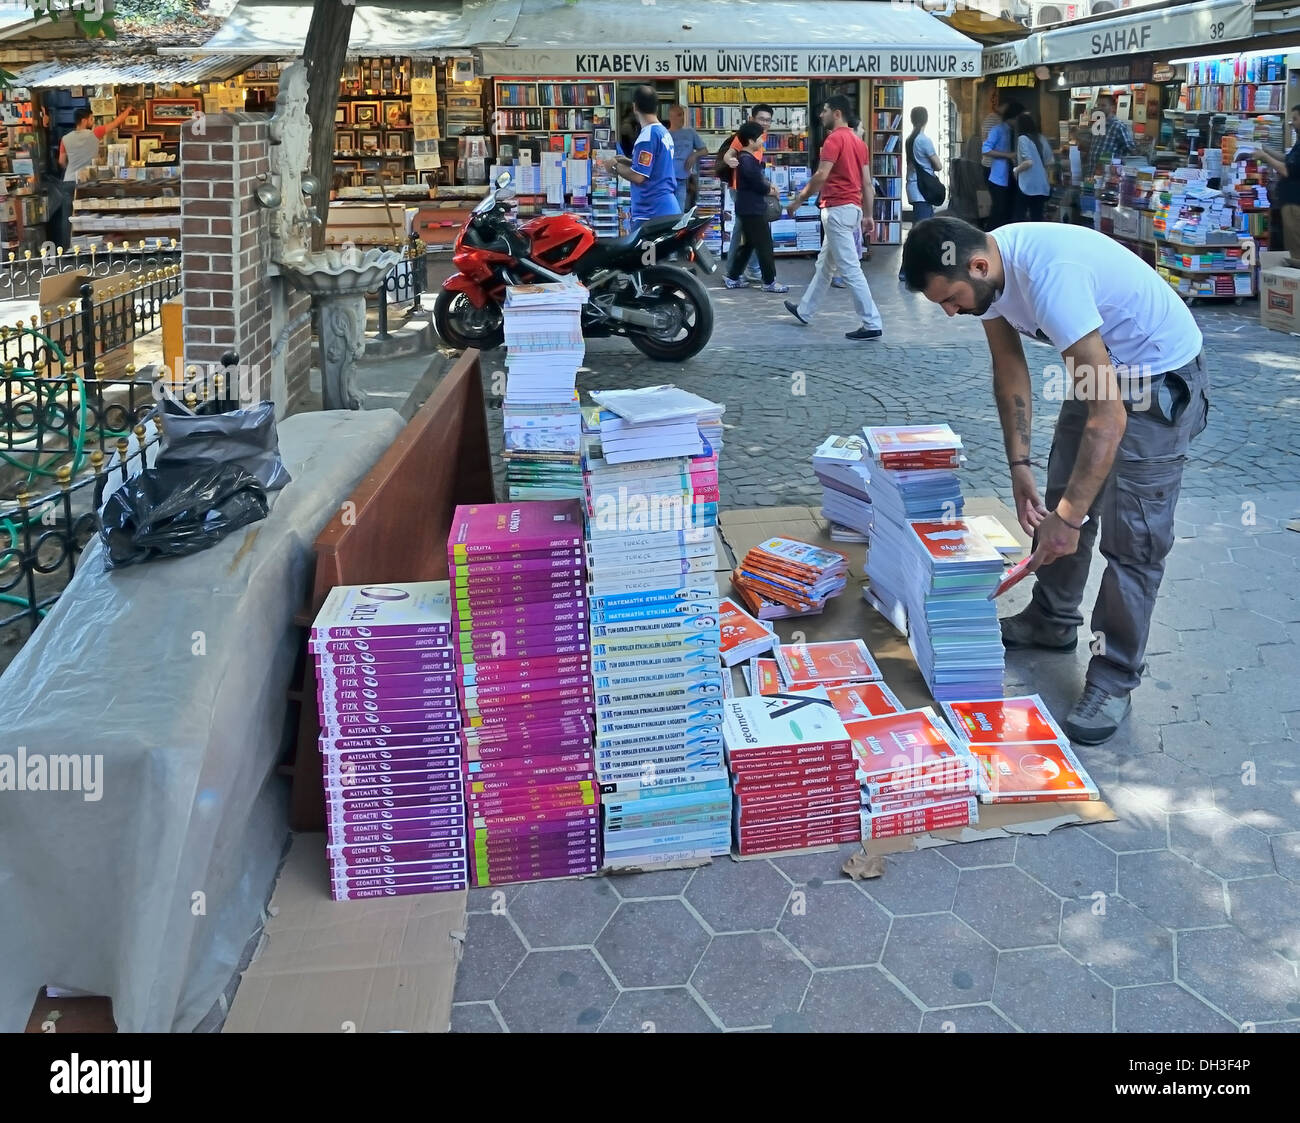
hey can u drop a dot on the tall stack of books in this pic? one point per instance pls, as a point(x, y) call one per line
point(523, 664)
point(841, 466)
point(915, 775)
point(542, 417)
point(1023, 756)
point(783, 577)
point(654, 608)
point(793, 774)
point(390, 740)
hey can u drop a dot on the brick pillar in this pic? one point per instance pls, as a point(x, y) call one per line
point(226, 244)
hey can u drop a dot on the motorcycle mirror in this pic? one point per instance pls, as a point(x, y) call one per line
point(503, 180)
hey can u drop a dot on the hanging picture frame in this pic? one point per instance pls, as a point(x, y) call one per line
point(171, 110)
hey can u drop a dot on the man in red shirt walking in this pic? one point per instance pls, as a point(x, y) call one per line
point(843, 182)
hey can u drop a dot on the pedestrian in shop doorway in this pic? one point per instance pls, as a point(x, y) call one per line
point(1287, 193)
point(752, 193)
point(687, 149)
point(1116, 139)
point(920, 153)
point(1001, 147)
point(1034, 156)
point(1135, 392)
point(78, 151)
point(650, 167)
point(761, 114)
point(843, 186)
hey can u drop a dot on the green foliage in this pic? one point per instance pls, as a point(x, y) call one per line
point(149, 12)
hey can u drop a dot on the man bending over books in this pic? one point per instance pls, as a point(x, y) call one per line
point(1134, 391)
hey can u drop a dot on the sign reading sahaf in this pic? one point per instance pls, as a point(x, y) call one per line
point(727, 63)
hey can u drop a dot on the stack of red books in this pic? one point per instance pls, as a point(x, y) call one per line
point(784, 577)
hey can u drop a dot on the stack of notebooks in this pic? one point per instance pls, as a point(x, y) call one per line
point(523, 663)
point(654, 608)
point(915, 775)
point(793, 775)
point(743, 637)
point(1023, 756)
point(845, 476)
point(542, 417)
point(783, 577)
point(390, 741)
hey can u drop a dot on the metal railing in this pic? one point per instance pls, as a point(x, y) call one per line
point(405, 281)
point(21, 275)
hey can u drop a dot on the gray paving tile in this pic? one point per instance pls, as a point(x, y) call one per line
point(1277, 604)
point(652, 943)
point(492, 951)
point(1167, 783)
point(1069, 862)
point(1200, 745)
point(1244, 980)
point(492, 897)
point(1267, 909)
point(1179, 612)
point(557, 992)
point(1043, 990)
point(1277, 1027)
point(1219, 843)
point(1170, 890)
point(1185, 675)
point(1165, 1008)
point(751, 979)
point(1140, 824)
point(1286, 855)
point(990, 852)
point(655, 883)
point(671, 1010)
point(858, 1000)
point(474, 1017)
point(825, 867)
point(565, 913)
point(739, 896)
point(1117, 941)
point(1007, 907)
point(1229, 714)
point(940, 960)
point(1242, 577)
point(834, 925)
point(965, 1019)
point(1264, 792)
point(1205, 594)
point(1231, 652)
point(921, 881)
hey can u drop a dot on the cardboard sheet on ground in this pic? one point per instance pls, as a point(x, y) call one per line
point(370, 966)
point(174, 674)
point(848, 616)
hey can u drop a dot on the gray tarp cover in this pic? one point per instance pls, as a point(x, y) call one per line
point(102, 896)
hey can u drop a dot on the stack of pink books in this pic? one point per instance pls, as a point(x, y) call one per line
point(519, 612)
point(390, 740)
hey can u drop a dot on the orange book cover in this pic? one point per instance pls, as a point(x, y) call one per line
point(766, 677)
point(894, 746)
point(863, 699)
point(744, 585)
point(886, 439)
point(848, 660)
point(1032, 772)
point(739, 629)
point(1001, 720)
point(954, 541)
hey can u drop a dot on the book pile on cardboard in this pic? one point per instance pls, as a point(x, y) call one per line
point(841, 466)
point(654, 605)
point(390, 740)
point(783, 577)
point(743, 637)
point(1022, 754)
point(915, 775)
point(523, 663)
point(542, 417)
point(793, 775)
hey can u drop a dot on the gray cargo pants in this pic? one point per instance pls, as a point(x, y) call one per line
point(1134, 513)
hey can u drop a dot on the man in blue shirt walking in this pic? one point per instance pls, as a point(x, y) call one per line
point(650, 170)
point(1001, 145)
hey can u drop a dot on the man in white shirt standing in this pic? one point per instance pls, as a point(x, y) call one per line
point(1134, 391)
point(78, 151)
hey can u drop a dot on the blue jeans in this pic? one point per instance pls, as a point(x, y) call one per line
point(681, 195)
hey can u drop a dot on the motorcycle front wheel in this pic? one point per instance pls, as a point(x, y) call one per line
point(463, 326)
point(690, 314)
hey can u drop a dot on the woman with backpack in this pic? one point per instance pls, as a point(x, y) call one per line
point(1034, 156)
point(924, 188)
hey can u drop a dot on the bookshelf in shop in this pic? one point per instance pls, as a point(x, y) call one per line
point(885, 137)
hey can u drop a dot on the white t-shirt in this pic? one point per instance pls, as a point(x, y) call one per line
point(82, 147)
point(1064, 281)
point(923, 153)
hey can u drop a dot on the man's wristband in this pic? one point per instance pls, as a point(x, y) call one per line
point(1071, 525)
point(1020, 463)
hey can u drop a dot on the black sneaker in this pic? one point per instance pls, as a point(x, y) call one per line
point(864, 333)
point(793, 309)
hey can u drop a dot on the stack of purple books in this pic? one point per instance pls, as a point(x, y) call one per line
point(390, 740)
point(520, 617)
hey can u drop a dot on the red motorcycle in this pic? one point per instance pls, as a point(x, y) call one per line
point(663, 310)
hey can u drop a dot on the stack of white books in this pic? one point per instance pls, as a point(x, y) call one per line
point(841, 465)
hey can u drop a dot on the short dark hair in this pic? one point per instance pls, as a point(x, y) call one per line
point(1295, 109)
point(940, 245)
point(79, 115)
point(645, 100)
point(1026, 125)
point(761, 107)
point(1011, 110)
point(840, 104)
point(749, 132)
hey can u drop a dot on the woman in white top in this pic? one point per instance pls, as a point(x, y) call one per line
point(919, 151)
point(1033, 155)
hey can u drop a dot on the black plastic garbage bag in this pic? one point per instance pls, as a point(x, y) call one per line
point(168, 512)
point(245, 437)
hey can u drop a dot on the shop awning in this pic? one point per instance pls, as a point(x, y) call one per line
point(1006, 57)
point(130, 71)
point(836, 39)
point(1118, 38)
point(268, 28)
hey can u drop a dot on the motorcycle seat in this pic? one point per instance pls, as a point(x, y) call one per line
point(650, 228)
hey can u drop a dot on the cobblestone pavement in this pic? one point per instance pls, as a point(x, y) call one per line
point(1183, 915)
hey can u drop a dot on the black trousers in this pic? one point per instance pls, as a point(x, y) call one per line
point(757, 239)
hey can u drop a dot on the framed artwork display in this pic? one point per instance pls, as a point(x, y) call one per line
point(365, 112)
point(171, 110)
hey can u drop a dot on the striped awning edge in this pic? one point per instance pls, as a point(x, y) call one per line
point(131, 71)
